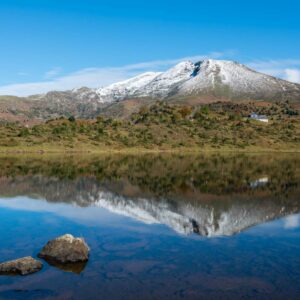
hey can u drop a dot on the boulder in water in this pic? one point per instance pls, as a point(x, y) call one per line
point(22, 266)
point(65, 249)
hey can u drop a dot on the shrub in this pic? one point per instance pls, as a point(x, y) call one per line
point(205, 109)
point(71, 119)
point(185, 111)
point(24, 132)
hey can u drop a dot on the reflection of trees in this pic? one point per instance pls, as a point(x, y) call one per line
point(162, 175)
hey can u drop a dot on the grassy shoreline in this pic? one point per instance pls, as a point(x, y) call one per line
point(136, 150)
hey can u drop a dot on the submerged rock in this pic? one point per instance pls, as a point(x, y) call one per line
point(22, 266)
point(65, 249)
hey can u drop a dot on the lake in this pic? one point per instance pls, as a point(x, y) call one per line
point(158, 226)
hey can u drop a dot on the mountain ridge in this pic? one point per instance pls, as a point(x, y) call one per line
point(219, 77)
point(185, 83)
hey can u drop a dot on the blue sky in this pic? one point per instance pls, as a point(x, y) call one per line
point(49, 44)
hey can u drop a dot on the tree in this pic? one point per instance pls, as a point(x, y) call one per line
point(71, 119)
point(185, 111)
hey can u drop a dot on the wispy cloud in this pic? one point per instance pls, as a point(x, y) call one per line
point(158, 64)
point(22, 74)
point(293, 75)
point(288, 69)
point(94, 77)
point(53, 72)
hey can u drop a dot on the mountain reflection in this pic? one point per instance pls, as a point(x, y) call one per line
point(210, 195)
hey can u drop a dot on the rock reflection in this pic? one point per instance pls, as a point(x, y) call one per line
point(205, 195)
point(76, 268)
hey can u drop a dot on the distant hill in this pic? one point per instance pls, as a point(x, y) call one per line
point(187, 83)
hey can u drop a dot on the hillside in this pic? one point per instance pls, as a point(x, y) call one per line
point(163, 127)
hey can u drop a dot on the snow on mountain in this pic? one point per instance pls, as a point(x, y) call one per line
point(236, 78)
point(151, 84)
point(223, 78)
point(162, 85)
point(127, 88)
point(218, 78)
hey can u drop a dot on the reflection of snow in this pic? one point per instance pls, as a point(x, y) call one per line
point(259, 182)
point(146, 211)
point(185, 217)
point(291, 221)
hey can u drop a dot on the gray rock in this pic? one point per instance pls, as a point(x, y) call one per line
point(65, 249)
point(22, 266)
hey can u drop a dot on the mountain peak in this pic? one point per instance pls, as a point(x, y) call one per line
point(187, 64)
point(222, 78)
point(181, 69)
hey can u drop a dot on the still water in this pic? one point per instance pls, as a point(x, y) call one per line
point(159, 226)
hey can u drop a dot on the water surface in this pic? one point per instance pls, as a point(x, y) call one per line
point(159, 226)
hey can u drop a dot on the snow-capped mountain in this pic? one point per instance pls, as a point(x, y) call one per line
point(221, 78)
point(186, 83)
point(125, 89)
point(217, 78)
point(154, 85)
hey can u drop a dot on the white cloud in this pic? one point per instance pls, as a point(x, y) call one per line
point(270, 64)
point(288, 69)
point(293, 75)
point(93, 77)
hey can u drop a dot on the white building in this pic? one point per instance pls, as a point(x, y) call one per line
point(261, 118)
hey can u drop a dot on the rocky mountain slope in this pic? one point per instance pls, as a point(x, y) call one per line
point(187, 83)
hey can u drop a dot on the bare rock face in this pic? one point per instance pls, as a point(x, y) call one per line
point(22, 266)
point(65, 249)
